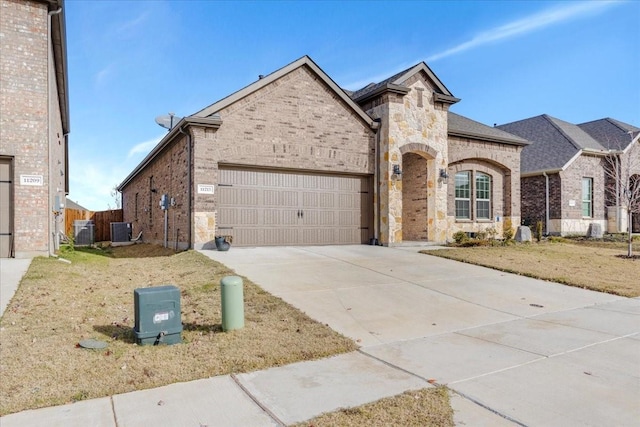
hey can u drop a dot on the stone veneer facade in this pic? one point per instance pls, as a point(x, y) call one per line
point(32, 138)
point(417, 205)
point(411, 125)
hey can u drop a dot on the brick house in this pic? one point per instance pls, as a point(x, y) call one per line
point(294, 159)
point(34, 126)
point(563, 177)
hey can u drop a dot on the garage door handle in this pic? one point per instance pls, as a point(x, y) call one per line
point(300, 214)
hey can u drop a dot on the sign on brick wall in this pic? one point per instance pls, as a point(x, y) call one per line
point(37, 180)
point(206, 188)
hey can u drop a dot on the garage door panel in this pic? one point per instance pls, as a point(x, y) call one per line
point(293, 208)
point(281, 236)
point(310, 200)
point(319, 236)
point(319, 218)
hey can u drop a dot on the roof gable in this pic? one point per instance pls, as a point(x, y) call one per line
point(305, 61)
point(398, 80)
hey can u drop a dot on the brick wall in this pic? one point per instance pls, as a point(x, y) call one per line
point(296, 122)
point(584, 166)
point(502, 163)
point(168, 174)
point(27, 96)
point(414, 202)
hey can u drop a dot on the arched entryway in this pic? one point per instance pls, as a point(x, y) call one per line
point(415, 200)
point(418, 193)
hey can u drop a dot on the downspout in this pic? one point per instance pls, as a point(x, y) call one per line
point(376, 177)
point(189, 188)
point(546, 221)
point(618, 207)
point(52, 209)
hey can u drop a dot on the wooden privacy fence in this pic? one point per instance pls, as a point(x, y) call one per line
point(102, 221)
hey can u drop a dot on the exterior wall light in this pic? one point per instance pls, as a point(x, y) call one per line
point(444, 175)
point(397, 173)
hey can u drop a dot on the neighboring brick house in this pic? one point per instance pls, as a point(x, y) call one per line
point(563, 177)
point(294, 159)
point(34, 124)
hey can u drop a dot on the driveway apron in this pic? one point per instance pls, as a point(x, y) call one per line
point(533, 352)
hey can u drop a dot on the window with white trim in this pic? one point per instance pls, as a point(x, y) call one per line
point(587, 197)
point(483, 196)
point(463, 195)
point(473, 190)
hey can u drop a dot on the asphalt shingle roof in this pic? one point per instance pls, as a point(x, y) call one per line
point(553, 142)
point(458, 124)
point(610, 133)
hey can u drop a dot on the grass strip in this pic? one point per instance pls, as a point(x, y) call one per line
point(58, 304)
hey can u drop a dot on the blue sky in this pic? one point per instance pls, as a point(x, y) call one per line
point(130, 61)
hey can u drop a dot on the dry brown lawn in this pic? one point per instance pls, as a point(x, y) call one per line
point(597, 266)
point(58, 305)
point(428, 407)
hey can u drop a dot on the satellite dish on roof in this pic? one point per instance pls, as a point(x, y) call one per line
point(168, 121)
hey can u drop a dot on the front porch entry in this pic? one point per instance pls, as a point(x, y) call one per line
point(415, 198)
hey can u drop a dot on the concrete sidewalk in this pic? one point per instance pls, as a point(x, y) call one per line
point(514, 350)
point(11, 272)
point(274, 397)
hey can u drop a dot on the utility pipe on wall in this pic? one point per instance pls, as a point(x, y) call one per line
point(189, 187)
point(376, 178)
point(53, 243)
point(546, 221)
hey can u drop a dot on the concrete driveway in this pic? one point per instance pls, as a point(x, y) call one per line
point(534, 352)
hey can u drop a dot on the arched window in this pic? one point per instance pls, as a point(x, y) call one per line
point(483, 196)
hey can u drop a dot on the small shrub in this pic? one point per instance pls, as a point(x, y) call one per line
point(507, 230)
point(469, 243)
point(539, 230)
point(491, 233)
point(481, 235)
point(460, 237)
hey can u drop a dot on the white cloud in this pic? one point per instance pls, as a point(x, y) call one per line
point(127, 29)
point(530, 23)
point(92, 181)
point(104, 74)
point(144, 147)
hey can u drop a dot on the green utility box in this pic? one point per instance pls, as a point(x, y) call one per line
point(158, 317)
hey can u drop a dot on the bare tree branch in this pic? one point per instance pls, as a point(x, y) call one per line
point(622, 172)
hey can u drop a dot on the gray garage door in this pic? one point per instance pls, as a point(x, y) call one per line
point(6, 240)
point(267, 207)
